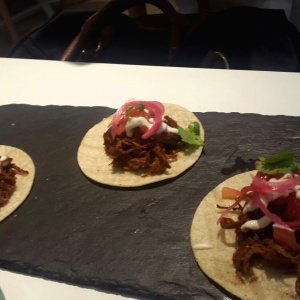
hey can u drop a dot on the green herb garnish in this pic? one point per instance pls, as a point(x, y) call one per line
point(139, 106)
point(191, 135)
point(281, 163)
point(128, 110)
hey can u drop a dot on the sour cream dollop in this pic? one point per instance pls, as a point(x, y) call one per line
point(143, 122)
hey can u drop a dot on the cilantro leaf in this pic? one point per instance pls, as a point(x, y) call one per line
point(191, 135)
point(128, 110)
point(194, 127)
point(141, 106)
point(280, 163)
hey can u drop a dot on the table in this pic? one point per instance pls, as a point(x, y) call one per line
point(202, 90)
point(64, 83)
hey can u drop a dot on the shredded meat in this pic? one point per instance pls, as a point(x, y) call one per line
point(8, 171)
point(254, 245)
point(169, 121)
point(152, 155)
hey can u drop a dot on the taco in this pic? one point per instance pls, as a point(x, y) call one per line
point(142, 143)
point(250, 244)
point(17, 173)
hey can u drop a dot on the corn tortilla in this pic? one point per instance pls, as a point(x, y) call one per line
point(216, 262)
point(95, 163)
point(23, 182)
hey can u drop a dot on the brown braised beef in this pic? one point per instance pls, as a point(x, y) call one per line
point(8, 171)
point(153, 155)
point(251, 246)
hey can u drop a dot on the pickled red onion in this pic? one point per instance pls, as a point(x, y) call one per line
point(118, 116)
point(263, 186)
point(244, 191)
point(158, 110)
point(292, 224)
point(154, 108)
point(260, 186)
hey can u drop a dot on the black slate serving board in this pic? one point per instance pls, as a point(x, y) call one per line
point(128, 241)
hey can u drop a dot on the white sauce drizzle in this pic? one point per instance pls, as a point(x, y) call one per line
point(3, 158)
point(256, 224)
point(250, 206)
point(3, 162)
point(297, 190)
point(283, 178)
point(141, 121)
point(202, 246)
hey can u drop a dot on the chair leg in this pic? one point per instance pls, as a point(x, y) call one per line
point(8, 21)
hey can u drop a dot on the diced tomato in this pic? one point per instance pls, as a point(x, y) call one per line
point(279, 201)
point(136, 111)
point(293, 209)
point(285, 236)
point(229, 193)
